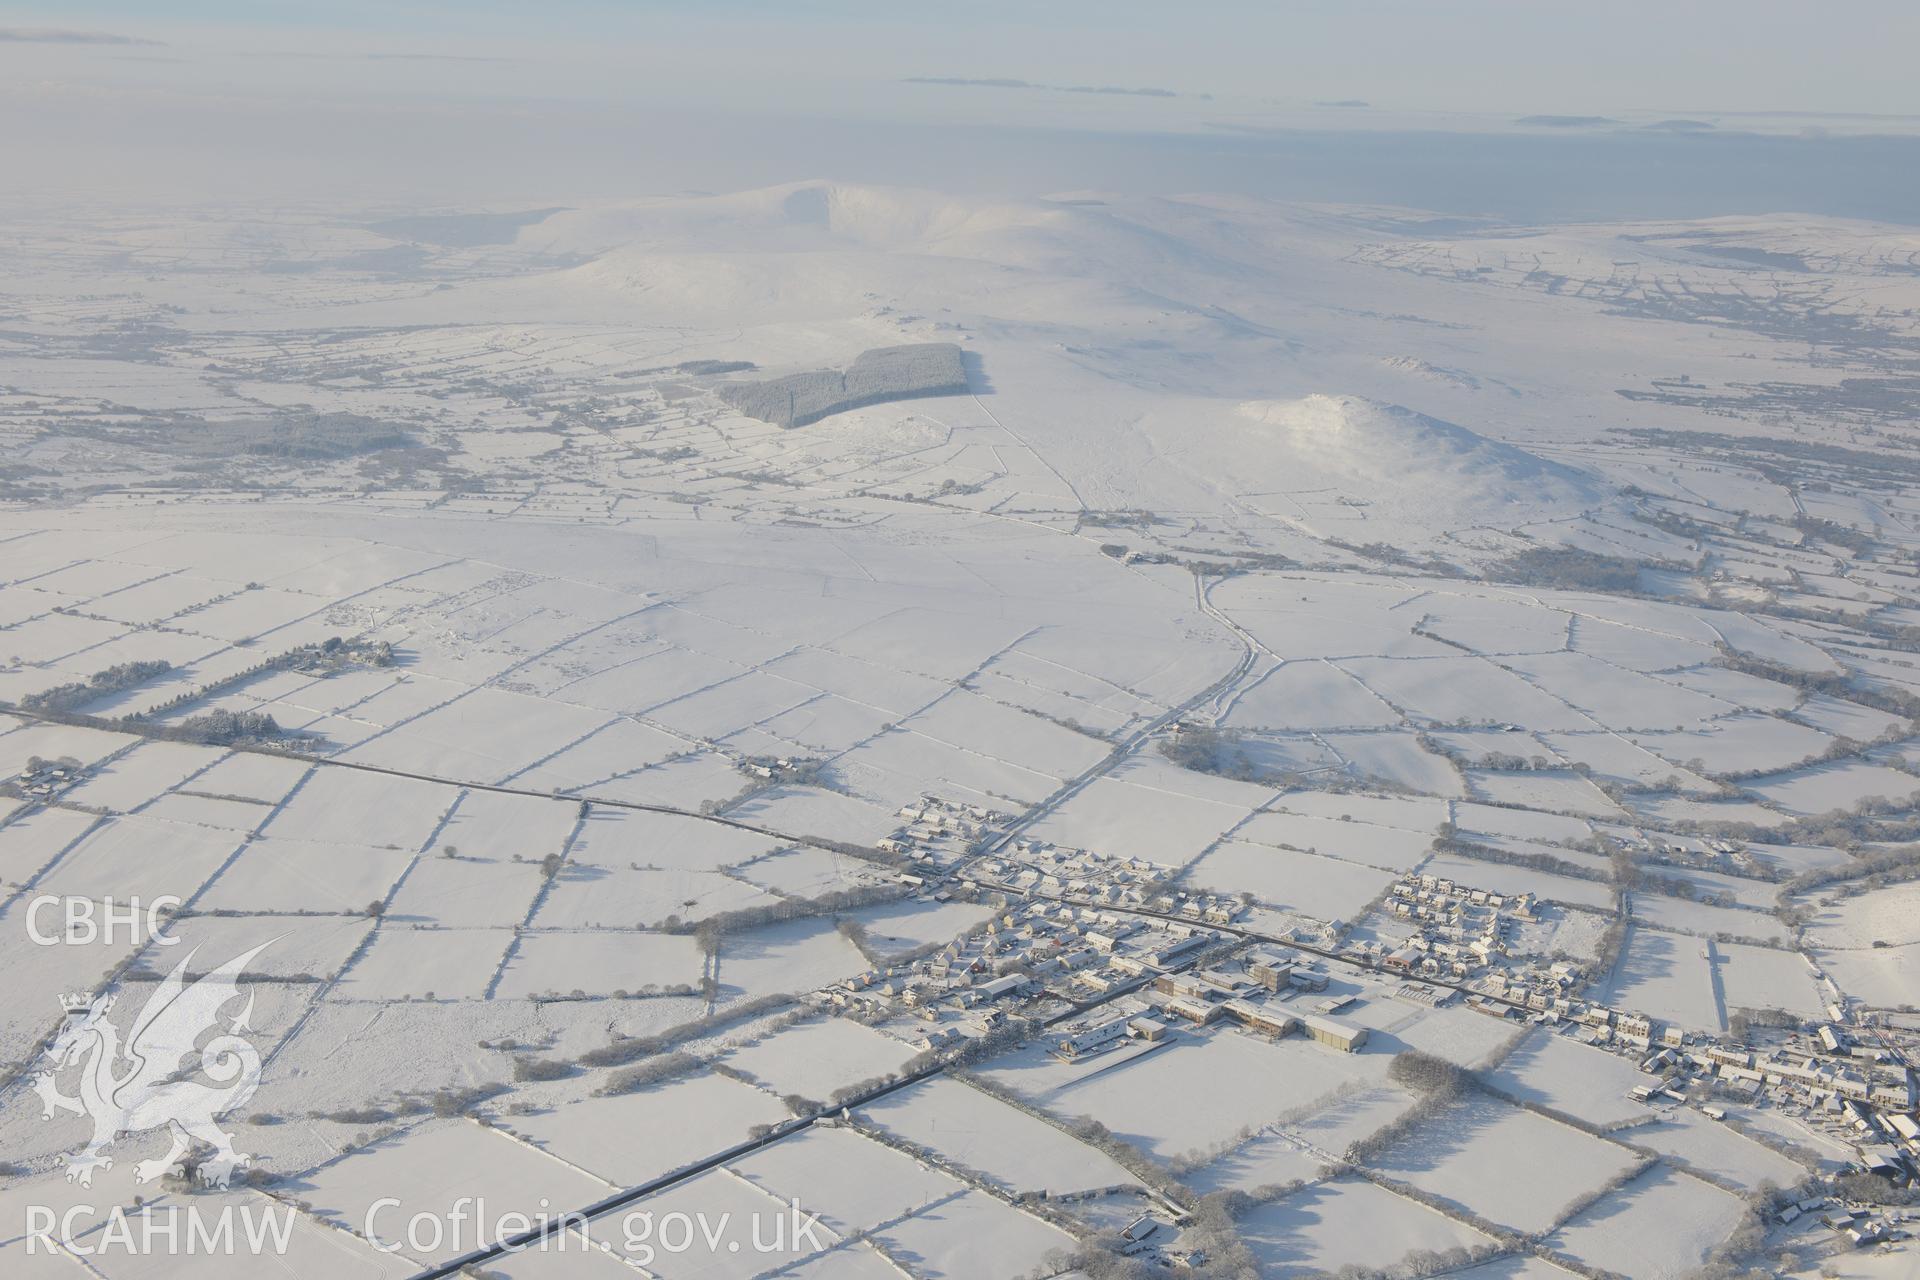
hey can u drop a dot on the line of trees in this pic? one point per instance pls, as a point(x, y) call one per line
point(710, 931)
point(115, 679)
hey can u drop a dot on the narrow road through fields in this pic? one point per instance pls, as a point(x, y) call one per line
point(1132, 741)
point(532, 1237)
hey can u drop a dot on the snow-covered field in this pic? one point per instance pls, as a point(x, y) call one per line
point(1271, 554)
point(1347, 1223)
point(979, 1132)
point(1661, 1225)
point(1543, 1166)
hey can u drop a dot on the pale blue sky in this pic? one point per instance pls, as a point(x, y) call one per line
point(599, 96)
point(1519, 56)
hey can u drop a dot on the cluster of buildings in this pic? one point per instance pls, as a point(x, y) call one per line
point(1153, 1241)
point(1811, 1072)
point(1258, 997)
point(933, 821)
point(337, 653)
point(1859, 1094)
point(1041, 956)
point(1549, 992)
point(1034, 866)
point(1457, 932)
point(1209, 908)
point(937, 836)
point(1725, 856)
point(1031, 952)
point(45, 780)
point(1811, 1069)
point(1092, 926)
point(1856, 1226)
point(774, 768)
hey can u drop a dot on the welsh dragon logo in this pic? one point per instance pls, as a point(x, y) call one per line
point(143, 1083)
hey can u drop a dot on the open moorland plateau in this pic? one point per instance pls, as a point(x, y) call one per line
point(1072, 736)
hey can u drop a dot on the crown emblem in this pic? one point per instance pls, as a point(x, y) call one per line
point(153, 1093)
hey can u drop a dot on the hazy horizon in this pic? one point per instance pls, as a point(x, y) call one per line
point(1476, 111)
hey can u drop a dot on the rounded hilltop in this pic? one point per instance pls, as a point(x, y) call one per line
point(1398, 459)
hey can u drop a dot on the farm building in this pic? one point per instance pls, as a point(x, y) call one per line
point(1338, 1035)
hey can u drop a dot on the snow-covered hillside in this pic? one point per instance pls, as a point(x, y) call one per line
point(1421, 469)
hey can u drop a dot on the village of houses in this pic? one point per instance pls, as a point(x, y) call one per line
point(1111, 965)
